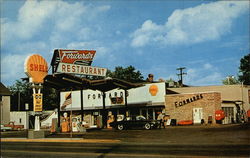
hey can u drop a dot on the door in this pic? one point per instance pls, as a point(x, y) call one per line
point(197, 115)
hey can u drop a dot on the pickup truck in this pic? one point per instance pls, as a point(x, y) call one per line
point(14, 127)
point(3, 128)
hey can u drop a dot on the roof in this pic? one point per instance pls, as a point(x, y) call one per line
point(4, 91)
point(65, 82)
point(112, 83)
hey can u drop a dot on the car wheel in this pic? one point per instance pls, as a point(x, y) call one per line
point(120, 127)
point(147, 126)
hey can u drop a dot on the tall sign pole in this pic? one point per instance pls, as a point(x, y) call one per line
point(36, 68)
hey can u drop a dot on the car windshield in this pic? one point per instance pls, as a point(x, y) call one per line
point(140, 118)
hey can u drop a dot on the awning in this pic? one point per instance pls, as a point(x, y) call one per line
point(66, 82)
point(232, 101)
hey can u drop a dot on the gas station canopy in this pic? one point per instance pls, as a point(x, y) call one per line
point(64, 82)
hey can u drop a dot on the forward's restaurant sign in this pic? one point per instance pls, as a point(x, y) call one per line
point(76, 56)
point(75, 61)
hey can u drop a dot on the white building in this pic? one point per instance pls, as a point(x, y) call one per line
point(4, 104)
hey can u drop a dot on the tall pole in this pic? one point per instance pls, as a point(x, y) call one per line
point(58, 107)
point(82, 112)
point(181, 74)
point(126, 103)
point(18, 100)
point(104, 115)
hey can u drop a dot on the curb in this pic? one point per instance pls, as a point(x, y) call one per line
point(69, 140)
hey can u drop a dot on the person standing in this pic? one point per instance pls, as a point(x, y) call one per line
point(160, 120)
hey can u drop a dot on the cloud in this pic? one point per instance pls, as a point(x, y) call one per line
point(13, 67)
point(30, 20)
point(192, 25)
point(56, 16)
point(92, 45)
point(41, 26)
point(206, 74)
point(207, 66)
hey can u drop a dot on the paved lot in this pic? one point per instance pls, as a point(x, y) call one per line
point(192, 141)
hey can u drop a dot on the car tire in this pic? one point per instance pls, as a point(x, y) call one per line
point(120, 127)
point(147, 126)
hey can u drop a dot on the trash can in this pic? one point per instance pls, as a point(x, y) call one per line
point(99, 121)
point(173, 122)
point(210, 119)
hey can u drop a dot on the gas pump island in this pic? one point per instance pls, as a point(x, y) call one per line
point(36, 68)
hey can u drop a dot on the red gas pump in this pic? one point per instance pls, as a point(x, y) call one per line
point(248, 115)
point(219, 115)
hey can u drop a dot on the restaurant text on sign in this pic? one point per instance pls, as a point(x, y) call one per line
point(80, 69)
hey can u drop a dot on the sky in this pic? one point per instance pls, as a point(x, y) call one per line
point(208, 38)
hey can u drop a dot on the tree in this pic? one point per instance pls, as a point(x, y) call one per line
point(22, 93)
point(128, 74)
point(244, 70)
point(230, 80)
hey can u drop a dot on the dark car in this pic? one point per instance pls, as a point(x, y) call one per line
point(134, 122)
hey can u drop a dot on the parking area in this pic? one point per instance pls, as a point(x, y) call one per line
point(223, 134)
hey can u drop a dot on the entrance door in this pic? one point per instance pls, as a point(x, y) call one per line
point(197, 115)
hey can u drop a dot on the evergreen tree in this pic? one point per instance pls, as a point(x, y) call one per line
point(244, 70)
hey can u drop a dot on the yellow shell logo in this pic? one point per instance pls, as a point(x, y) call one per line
point(36, 68)
point(153, 90)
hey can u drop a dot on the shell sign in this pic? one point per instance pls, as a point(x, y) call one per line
point(36, 68)
point(153, 90)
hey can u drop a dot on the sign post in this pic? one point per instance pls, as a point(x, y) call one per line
point(36, 68)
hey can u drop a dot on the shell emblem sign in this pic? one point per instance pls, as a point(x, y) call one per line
point(36, 68)
point(153, 90)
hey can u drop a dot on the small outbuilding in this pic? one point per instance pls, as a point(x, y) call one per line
point(4, 104)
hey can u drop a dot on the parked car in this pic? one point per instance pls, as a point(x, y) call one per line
point(3, 128)
point(134, 122)
point(14, 127)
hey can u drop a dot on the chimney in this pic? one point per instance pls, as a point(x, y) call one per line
point(150, 78)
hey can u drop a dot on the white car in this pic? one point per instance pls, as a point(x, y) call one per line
point(3, 128)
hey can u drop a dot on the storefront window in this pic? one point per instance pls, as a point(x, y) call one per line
point(144, 113)
point(134, 112)
point(150, 114)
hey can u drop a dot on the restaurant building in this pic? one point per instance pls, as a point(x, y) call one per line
point(147, 100)
point(197, 104)
point(187, 103)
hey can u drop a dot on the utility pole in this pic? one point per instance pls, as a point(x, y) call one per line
point(181, 74)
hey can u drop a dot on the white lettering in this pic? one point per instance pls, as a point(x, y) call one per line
point(76, 56)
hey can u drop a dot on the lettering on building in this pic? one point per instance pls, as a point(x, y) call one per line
point(188, 100)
